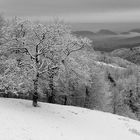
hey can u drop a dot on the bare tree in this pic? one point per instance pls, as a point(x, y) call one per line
point(40, 48)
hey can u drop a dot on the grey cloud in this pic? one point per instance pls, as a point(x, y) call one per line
point(68, 8)
point(43, 7)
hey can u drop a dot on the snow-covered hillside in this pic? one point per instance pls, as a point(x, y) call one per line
point(20, 121)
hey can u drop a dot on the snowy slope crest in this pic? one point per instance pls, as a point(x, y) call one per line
point(20, 121)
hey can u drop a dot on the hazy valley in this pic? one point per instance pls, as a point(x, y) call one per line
point(107, 40)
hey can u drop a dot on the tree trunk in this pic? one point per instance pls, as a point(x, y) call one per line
point(51, 86)
point(87, 97)
point(114, 108)
point(115, 98)
point(67, 76)
point(35, 94)
point(65, 100)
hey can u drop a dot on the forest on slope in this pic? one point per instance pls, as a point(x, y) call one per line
point(132, 54)
point(47, 62)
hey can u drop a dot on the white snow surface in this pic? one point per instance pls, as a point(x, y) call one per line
point(109, 65)
point(20, 121)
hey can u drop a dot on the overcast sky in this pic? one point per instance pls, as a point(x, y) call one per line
point(74, 10)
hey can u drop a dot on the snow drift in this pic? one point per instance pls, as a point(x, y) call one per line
point(20, 121)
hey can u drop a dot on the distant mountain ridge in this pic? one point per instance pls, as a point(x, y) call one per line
point(90, 33)
point(84, 33)
point(135, 30)
point(106, 40)
point(105, 32)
